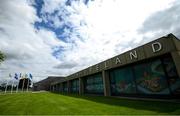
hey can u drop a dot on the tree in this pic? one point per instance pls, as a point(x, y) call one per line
point(2, 57)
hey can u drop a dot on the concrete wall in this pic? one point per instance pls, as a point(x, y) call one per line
point(161, 46)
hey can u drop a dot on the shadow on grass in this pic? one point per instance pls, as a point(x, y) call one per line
point(156, 106)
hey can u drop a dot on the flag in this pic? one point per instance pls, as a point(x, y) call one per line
point(16, 76)
point(30, 75)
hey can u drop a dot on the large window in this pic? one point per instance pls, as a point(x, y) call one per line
point(122, 81)
point(94, 84)
point(75, 86)
point(151, 78)
point(174, 80)
point(65, 88)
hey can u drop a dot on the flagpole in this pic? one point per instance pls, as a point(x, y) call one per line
point(12, 86)
point(6, 86)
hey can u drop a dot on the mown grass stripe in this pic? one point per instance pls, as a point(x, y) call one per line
point(51, 103)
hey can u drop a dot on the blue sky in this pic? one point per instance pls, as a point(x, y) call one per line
point(60, 37)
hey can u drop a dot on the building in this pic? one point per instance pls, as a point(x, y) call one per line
point(45, 84)
point(151, 70)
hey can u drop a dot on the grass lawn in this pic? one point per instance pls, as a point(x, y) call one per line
point(51, 103)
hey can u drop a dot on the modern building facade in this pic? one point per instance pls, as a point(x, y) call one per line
point(45, 83)
point(151, 70)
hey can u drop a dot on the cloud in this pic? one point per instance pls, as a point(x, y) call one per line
point(28, 50)
point(162, 22)
point(67, 65)
point(99, 29)
point(60, 37)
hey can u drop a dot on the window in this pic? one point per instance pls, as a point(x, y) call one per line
point(174, 80)
point(151, 78)
point(65, 89)
point(75, 86)
point(122, 81)
point(94, 84)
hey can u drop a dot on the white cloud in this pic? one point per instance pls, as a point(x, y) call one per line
point(109, 28)
point(28, 50)
point(99, 30)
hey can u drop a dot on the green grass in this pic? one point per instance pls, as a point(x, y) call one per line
point(51, 103)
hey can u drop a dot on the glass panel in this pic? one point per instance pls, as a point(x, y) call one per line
point(94, 84)
point(150, 78)
point(122, 81)
point(65, 89)
point(75, 86)
point(173, 78)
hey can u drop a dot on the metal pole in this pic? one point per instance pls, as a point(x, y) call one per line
point(6, 87)
point(12, 86)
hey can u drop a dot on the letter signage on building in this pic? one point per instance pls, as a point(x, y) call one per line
point(156, 47)
point(133, 55)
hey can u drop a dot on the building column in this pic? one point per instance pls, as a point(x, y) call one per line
point(81, 86)
point(176, 59)
point(106, 83)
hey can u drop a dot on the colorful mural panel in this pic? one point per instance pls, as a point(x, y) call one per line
point(122, 81)
point(150, 78)
point(174, 80)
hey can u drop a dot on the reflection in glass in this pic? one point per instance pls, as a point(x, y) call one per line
point(174, 80)
point(65, 89)
point(150, 78)
point(94, 84)
point(75, 86)
point(122, 81)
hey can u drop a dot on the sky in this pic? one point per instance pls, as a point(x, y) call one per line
point(61, 37)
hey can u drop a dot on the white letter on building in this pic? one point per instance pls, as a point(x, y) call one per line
point(133, 55)
point(156, 47)
point(118, 60)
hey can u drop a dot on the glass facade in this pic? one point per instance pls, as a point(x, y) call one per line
point(151, 78)
point(94, 84)
point(154, 77)
point(173, 79)
point(65, 88)
point(122, 81)
point(75, 86)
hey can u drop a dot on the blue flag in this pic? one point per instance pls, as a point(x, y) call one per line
point(30, 75)
point(16, 76)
